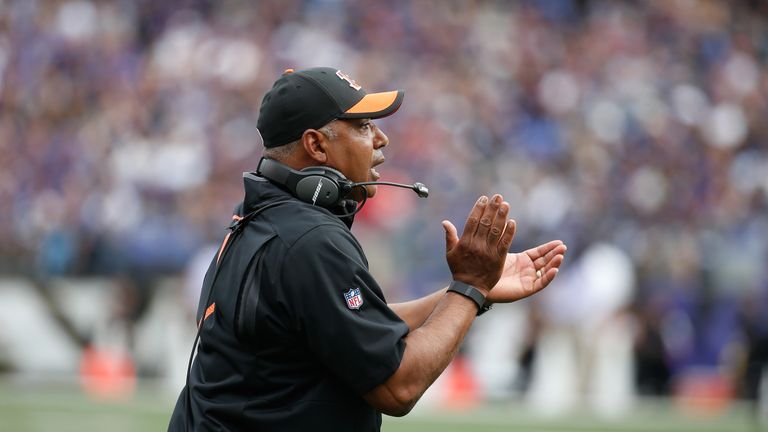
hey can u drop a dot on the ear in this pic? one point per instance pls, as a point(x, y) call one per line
point(315, 145)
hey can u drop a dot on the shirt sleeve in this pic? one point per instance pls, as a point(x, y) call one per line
point(340, 309)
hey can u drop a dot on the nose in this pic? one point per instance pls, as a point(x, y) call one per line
point(381, 139)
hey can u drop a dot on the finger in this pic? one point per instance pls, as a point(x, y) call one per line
point(542, 261)
point(487, 218)
point(450, 235)
point(545, 279)
point(506, 239)
point(474, 216)
point(499, 222)
point(541, 250)
point(555, 262)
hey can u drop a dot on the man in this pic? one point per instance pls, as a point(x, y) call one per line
point(295, 334)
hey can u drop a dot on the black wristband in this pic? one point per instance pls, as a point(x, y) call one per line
point(486, 307)
point(468, 290)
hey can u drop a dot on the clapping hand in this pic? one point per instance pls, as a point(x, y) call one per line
point(478, 257)
point(526, 273)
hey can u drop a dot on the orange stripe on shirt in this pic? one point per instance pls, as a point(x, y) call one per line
point(209, 311)
point(226, 239)
point(221, 249)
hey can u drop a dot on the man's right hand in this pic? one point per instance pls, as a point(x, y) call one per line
point(477, 258)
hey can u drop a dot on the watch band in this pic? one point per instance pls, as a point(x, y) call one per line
point(468, 290)
point(486, 307)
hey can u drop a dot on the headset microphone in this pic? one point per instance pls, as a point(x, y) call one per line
point(421, 190)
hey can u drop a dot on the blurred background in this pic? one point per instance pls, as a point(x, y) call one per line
point(634, 131)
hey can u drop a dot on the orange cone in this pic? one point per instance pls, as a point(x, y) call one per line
point(461, 391)
point(107, 374)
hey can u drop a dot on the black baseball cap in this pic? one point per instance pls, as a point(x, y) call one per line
point(310, 98)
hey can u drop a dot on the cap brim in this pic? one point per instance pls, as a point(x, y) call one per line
point(376, 105)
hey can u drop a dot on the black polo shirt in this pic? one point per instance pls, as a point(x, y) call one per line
point(299, 331)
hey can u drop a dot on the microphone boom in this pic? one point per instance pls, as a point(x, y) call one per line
point(421, 190)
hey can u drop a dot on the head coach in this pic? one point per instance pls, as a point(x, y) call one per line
point(294, 332)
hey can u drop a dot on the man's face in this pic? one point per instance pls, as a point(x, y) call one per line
point(356, 150)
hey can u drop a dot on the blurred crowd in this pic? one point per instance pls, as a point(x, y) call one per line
point(126, 126)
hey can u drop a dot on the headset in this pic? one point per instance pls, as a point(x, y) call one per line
point(321, 185)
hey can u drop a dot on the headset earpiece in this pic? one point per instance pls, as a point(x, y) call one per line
point(318, 189)
point(317, 185)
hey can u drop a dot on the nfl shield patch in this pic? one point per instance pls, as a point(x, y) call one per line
point(354, 298)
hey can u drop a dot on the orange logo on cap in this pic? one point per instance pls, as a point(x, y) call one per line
point(347, 78)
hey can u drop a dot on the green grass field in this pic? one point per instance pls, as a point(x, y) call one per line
point(65, 408)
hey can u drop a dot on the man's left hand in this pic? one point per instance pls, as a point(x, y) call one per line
point(528, 272)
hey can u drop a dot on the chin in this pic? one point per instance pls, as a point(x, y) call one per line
point(357, 193)
point(371, 189)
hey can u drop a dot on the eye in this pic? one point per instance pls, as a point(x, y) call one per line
point(368, 125)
